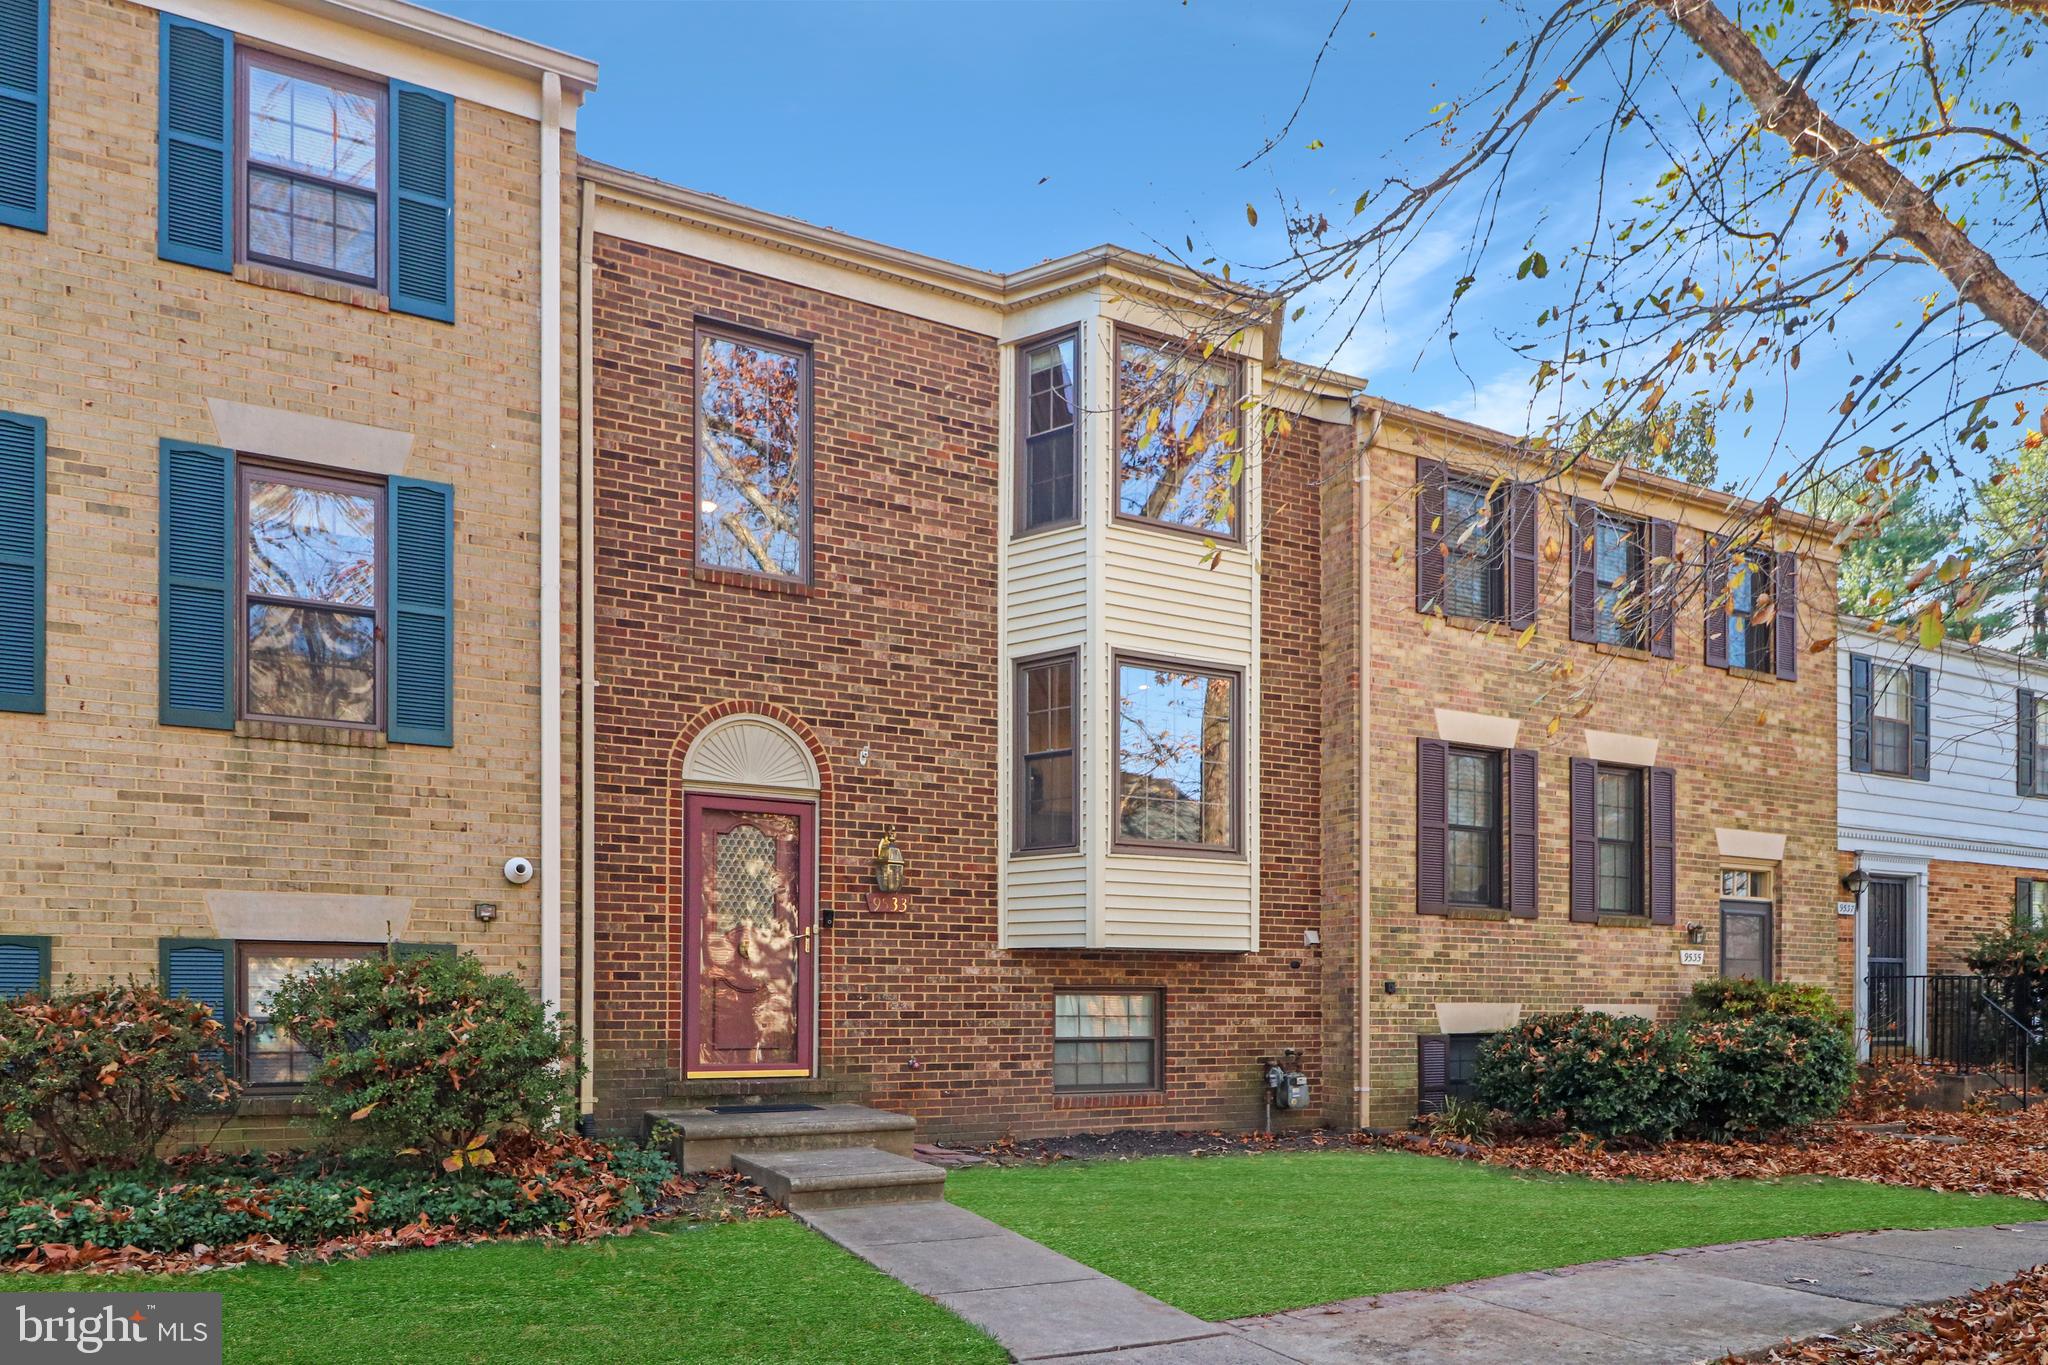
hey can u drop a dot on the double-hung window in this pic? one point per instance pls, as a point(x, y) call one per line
point(312, 168)
point(1177, 437)
point(271, 1057)
point(1620, 827)
point(311, 598)
point(1749, 627)
point(1179, 775)
point(2030, 902)
point(1048, 788)
point(1891, 720)
point(1047, 384)
point(1621, 606)
point(753, 455)
point(1474, 569)
point(1106, 1040)
point(1472, 789)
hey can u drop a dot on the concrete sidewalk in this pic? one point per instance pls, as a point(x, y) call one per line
point(1676, 1307)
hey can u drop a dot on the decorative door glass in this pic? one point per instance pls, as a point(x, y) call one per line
point(750, 913)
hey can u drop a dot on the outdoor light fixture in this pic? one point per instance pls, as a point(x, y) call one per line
point(1855, 882)
point(1695, 932)
point(890, 868)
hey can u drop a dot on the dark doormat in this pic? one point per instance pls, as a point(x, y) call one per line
point(764, 1108)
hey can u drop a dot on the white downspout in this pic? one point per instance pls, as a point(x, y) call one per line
point(551, 541)
point(1361, 480)
point(586, 653)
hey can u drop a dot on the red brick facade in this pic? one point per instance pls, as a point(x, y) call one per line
point(888, 665)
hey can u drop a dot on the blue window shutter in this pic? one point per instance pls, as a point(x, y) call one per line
point(22, 569)
point(195, 160)
point(195, 585)
point(422, 576)
point(25, 114)
point(422, 202)
point(24, 961)
point(199, 969)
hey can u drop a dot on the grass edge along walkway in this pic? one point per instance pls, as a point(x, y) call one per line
point(766, 1290)
point(1233, 1236)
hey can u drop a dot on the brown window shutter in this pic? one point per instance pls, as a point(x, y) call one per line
point(1859, 714)
point(1525, 502)
point(1715, 597)
point(1923, 722)
point(1785, 613)
point(1432, 826)
point(1660, 581)
point(1585, 843)
point(2027, 780)
point(1432, 1072)
point(1522, 832)
point(1663, 846)
point(1430, 478)
point(1585, 586)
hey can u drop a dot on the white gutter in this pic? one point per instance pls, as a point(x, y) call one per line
point(586, 654)
point(551, 541)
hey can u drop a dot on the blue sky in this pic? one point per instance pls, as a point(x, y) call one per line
point(1001, 133)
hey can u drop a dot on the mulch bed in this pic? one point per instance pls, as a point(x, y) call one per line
point(595, 1198)
point(2004, 1322)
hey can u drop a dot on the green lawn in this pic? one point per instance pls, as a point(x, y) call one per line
point(1230, 1236)
point(762, 1291)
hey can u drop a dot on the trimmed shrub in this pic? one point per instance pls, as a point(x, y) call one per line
point(1742, 998)
point(1768, 1072)
point(98, 1078)
point(430, 1057)
point(1613, 1076)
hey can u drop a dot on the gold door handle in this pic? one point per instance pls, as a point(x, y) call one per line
point(806, 936)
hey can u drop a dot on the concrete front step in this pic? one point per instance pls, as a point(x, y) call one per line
point(705, 1140)
point(841, 1178)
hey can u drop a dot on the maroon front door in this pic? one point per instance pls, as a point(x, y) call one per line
point(748, 946)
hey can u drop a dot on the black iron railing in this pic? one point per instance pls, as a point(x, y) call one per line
point(1960, 1023)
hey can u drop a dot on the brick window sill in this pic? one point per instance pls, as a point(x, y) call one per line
point(334, 736)
point(312, 286)
point(1482, 913)
point(728, 578)
point(1753, 675)
point(1110, 1099)
point(1607, 921)
point(1622, 651)
point(273, 1104)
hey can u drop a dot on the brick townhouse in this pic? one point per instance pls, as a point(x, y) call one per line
point(896, 555)
point(998, 709)
point(1943, 773)
point(281, 424)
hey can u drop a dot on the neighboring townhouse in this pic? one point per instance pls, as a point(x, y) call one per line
point(282, 441)
point(1943, 775)
point(898, 556)
point(1597, 723)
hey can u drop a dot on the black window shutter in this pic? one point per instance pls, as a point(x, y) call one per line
point(1585, 585)
point(1522, 832)
point(1859, 713)
point(1785, 614)
point(1922, 723)
point(1524, 517)
point(1432, 1072)
point(1585, 843)
point(1432, 826)
point(1430, 478)
point(2026, 779)
point(1663, 846)
point(1660, 580)
point(1715, 595)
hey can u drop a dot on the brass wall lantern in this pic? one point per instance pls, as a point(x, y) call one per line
point(890, 868)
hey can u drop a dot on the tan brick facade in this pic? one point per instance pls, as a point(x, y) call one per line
point(119, 827)
point(1750, 753)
